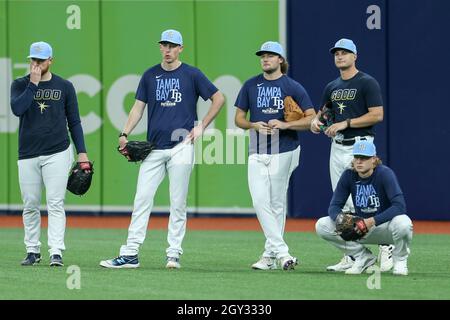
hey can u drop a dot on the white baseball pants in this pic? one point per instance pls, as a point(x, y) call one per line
point(268, 180)
point(340, 160)
point(178, 163)
point(398, 231)
point(53, 172)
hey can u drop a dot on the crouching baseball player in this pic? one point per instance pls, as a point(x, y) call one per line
point(380, 216)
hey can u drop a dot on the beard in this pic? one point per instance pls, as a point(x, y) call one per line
point(270, 71)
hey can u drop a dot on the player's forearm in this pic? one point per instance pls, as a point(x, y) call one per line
point(133, 118)
point(22, 100)
point(368, 119)
point(243, 123)
point(304, 123)
point(217, 103)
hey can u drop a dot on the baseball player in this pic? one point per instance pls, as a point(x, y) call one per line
point(356, 101)
point(46, 105)
point(379, 200)
point(170, 90)
point(274, 148)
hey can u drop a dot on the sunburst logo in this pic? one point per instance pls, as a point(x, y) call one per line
point(42, 106)
point(341, 107)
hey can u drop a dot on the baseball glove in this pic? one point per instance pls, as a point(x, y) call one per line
point(326, 116)
point(80, 178)
point(292, 110)
point(136, 151)
point(350, 227)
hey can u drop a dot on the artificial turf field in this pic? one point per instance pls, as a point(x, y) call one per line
point(215, 266)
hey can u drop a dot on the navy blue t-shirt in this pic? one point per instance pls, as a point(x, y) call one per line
point(377, 196)
point(265, 101)
point(171, 98)
point(351, 99)
point(45, 112)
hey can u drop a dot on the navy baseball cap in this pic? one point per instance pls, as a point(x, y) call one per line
point(40, 50)
point(172, 36)
point(271, 47)
point(345, 44)
point(364, 148)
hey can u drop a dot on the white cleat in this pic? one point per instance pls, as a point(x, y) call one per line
point(288, 262)
point(366, 260)
point(400, 268)
point(265, 263)
point(385, 257)
point(345, 263)
point(173, 263)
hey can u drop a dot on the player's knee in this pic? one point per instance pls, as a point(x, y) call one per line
point(323, 226)
point(401, 226)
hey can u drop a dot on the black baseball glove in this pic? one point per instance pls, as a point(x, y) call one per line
point(80, 178)
point(136, 151)
point(327, 116)
point(350, 227)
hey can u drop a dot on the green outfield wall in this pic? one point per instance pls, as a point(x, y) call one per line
point(103, 47)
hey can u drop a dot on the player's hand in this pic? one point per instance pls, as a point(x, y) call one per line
point(262, 128)
point(277, 124)
point(196, 132)
point(370, 222)
point(35, 73)
point(122, 143)
point(84, 162)
point(333, 129)
point(315, 126)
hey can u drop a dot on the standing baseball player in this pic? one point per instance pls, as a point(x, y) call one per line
point(46, 105)
point(379, 201)
point(274, 148)
point(170, 90)
point(356, 102)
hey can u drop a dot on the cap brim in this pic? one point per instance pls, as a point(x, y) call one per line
point(38, 57)
point(261, 52)
point(334, 49)
point(165, 41)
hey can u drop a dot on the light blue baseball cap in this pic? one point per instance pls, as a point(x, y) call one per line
point(40, 50)
point(271, 47)
point(364, 148)
point(172, 36)
point(345, 44)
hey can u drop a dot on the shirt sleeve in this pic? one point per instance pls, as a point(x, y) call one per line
point(340, 195)
point(141, 92)
point(73, 119)
point(203, 86)
point(302, 97)
point(22, 96)
point(242, 100)
point(395, 196)
point(325, 96)
point(373, 95)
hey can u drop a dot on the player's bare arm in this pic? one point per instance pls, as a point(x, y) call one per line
point(374, 116)
point(133, 119)
point(301, 124)
point(241, 121)
point(217, 101)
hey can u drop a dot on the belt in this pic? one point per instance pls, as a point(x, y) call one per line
point(348, 142)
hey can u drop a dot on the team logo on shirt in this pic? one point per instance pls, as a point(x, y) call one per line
point(168, 92)
point(269, 99)
point(367, 198)
point(42, 106)
point(46, 94)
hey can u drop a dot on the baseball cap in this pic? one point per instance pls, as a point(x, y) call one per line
point(172, 36)
point(345, 44)
point(40, 50)
point(271, 47)
point(364, 148)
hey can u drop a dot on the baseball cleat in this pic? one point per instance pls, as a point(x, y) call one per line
point(345, 263)
point(400, 268)
point(173, 263)
point(121, 262)
point(288, 262)
point(31, 259)
point(366, 260)
point(265, 263)
point(385, 257)
point(56, 261)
